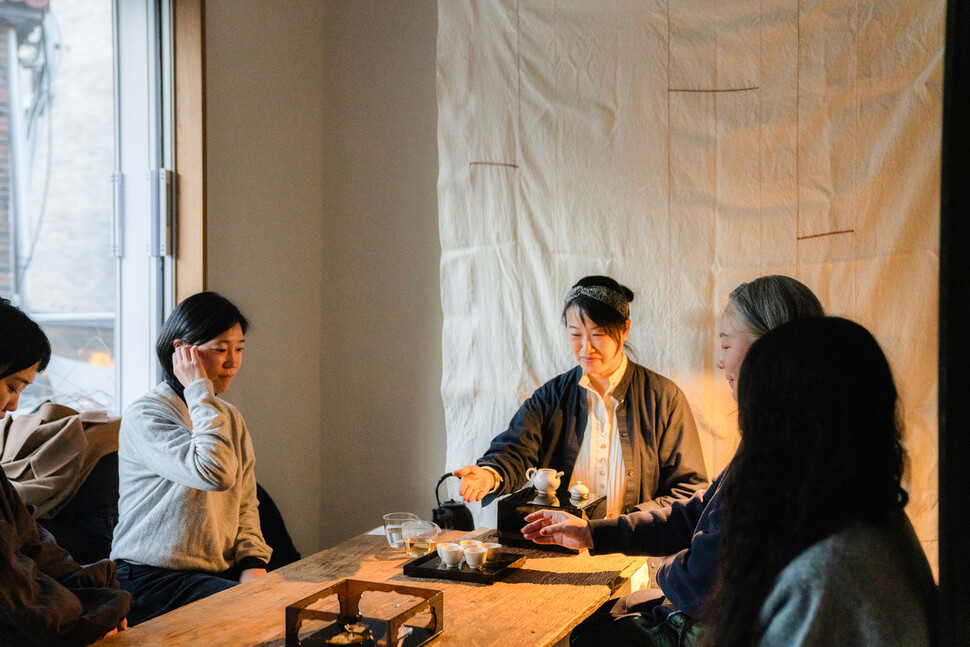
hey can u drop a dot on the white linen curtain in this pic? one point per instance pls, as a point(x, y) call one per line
point(683, 148)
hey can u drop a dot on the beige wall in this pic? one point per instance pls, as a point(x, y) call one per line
point(322, 224)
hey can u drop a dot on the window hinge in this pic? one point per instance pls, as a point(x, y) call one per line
point(118, 215)
point(163, 213)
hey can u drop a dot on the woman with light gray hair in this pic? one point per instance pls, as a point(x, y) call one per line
point(624, 431)
point(753, 309)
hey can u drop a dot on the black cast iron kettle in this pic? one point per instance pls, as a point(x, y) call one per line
point(453, 514)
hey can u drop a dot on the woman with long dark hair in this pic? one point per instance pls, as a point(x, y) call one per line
point(188, 521)
point(46, 598)
point(626, 432)
point(816, 548)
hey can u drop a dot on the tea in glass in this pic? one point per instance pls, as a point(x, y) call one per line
point(420, 537)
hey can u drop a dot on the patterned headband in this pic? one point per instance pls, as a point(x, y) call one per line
point(600, 293)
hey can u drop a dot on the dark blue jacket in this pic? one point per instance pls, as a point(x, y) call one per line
point(661, 451)
point(688, 531)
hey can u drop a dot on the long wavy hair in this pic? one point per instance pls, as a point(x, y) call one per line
point(820, 447)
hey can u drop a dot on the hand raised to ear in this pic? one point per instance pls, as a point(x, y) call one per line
point(186, 363)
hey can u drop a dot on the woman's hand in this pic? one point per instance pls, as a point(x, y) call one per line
point(186, 363)
point(475, 482)
point(251, 574)
point(553, 527)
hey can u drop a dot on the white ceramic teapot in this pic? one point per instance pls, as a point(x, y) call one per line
point(545, 479)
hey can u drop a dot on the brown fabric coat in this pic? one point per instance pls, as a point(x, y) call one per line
point(48, 454)
point(46, 598)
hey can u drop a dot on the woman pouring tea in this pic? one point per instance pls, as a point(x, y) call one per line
point(625, 432)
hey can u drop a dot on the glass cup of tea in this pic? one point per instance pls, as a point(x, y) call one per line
point(392, 527)
point(420, 537)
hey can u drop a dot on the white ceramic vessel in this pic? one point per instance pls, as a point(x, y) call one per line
point(475, 556)
point(545, 479)
point(451, 554)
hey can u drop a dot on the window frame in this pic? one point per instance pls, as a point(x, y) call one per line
point(189, 96)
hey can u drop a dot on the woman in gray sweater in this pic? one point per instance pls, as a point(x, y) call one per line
point(188, 521)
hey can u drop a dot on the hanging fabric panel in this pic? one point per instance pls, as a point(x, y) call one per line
point(683, 148)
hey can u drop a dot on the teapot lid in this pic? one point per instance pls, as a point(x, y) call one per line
point(579, 489)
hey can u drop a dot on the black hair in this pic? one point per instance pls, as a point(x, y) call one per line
point(611, 320)
point(195, 321)
point(22, 342)
point(820, 447)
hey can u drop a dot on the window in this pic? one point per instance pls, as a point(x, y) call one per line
point(85, 224)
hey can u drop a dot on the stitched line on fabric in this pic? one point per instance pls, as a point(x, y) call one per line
point(830, 233)
point(713, 91)
point(506, 164)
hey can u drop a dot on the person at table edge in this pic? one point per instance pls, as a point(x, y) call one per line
point(46, 598)
point(624, 431)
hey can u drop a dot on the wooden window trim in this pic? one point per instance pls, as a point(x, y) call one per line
point(189, 61)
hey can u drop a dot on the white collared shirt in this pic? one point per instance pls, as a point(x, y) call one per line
point(599, 464)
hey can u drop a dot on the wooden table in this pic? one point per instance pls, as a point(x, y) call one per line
point(538, 604)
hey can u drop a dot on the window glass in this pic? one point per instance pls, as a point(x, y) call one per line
point(57, 82)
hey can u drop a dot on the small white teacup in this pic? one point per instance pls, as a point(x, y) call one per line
point(493, 550)
point(468, 543)
point(475, 556)
point(450, 554)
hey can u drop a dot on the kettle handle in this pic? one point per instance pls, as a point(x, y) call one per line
point(440, 481)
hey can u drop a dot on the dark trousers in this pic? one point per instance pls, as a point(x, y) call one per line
point(155, 591)
point(638, 619)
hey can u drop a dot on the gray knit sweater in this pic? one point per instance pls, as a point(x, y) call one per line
point(187, 486)
point(864, 586)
